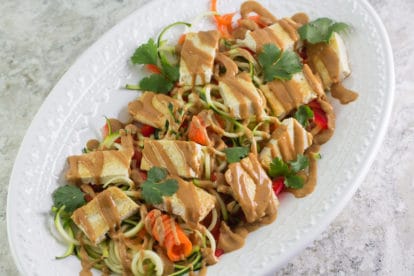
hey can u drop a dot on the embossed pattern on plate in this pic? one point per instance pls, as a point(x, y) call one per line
point(74, 110)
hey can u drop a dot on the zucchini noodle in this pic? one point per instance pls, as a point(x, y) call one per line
point(137, 265)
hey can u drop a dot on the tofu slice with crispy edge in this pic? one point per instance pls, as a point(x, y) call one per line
point(242, 97)
point(252, 188)
point(287, 141)
point(152, 109)
point(98, 167)
point(282, 33)
point(285, 96)
point(183, 158)
point(319, 55)
point(197, 57)
point(190, 202)
point(93, 218)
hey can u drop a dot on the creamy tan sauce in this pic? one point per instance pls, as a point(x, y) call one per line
point(188, 195)
point(338, 91)
point(323, 136)
point(92, 144)
point(229, 240)
point(255, 7)
point(301, 18)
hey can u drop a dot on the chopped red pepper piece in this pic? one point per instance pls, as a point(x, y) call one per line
point(147, 130)
point(219, 252)
point(278, 184)
point(319, 115)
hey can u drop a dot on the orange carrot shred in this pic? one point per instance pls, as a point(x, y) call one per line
point(153, 68)
point(197, 132)
point(181, 39)
point(169, 235)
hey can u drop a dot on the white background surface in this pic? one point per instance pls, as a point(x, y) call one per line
point(374, 232)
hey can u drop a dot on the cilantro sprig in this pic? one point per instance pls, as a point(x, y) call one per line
point(289, 170)
point(69, 196)
point(235, 154)
point(277, 64)
point(303, 115)
point(320, 30)
point(150, 53)
point(156, 186)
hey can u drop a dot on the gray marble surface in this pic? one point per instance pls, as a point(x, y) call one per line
point(373, 235)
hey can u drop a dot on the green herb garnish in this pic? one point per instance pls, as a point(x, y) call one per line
point(156, 186)
point(303, 115)
point(69, 196)
point(289, 170)
point(320, 30)
point(235, 154)
point(156, 83)
point(277, 64)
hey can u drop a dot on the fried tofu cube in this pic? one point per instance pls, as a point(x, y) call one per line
point(183, 158)
point(99, 215)
point(252, 188)
point(286, 142)
point(152, 109)
point(189, 202)
point(197, 57)
point(98, 167)
point(285, 96)
point(242, 97)
point(329, 60)
point(282, 33)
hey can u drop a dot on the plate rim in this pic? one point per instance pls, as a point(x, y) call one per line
point(316, 230)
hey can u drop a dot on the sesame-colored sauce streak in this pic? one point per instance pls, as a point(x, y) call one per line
point(187, 194)
point(254, 7)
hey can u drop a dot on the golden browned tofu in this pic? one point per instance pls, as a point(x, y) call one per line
point(287, 141)
point(189, 202)
point(152, 109)
point(242, 97)
point(252, 188)
point(100, 166)
point(284, 96)
point(183, 158)
point(103, 213)
point(197, 57)
point(282, 33)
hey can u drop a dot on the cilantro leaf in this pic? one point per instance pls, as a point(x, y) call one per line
point(235, 154)
point(278, 168)
point(303, 114)
point(147, 53)
point(171, 72)
point(154, 188)
point(269, 55)
point(289, 171)
point(301, 163)
point(294, 181)
point(156, 83)
point(156, 174)
point(70, 196)
point(277, 64)
point(320, 30)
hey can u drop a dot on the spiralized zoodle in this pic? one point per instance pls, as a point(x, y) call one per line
point(228, 119)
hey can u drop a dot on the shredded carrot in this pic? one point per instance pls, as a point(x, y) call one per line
point(153, 68)
point(169, 235)
point(223, 22)
point(197, 131)
point(181, 39)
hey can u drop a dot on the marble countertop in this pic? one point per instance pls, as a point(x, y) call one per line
point(374, 234)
